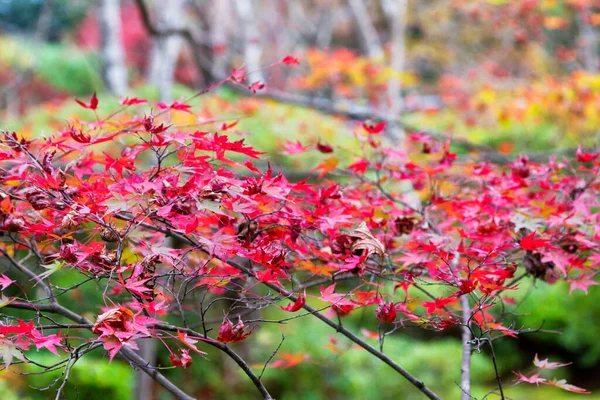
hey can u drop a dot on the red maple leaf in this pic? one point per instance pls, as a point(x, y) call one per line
point(374, 128)
point(290, 60)
point(529, 243)
point(297, 305)
point(92, 105)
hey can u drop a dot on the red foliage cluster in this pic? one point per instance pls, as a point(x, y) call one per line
point(102, 199)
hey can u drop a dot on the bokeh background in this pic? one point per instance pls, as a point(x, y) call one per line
point(499, 77)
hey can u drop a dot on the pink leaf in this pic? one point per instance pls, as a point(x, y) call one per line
point(5, 282)
point(533, 379)
point(545, 364)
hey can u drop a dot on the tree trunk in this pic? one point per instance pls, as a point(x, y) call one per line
point(588, 42)
point(396, 13)
point(114, 71)
point(143, 382)
point(220, 13)
point(366, 29)
point(165, 51)
point(251, 39)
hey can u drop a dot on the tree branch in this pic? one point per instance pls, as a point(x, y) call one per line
point(338, 327)
point(465, 369)
point(128, 354)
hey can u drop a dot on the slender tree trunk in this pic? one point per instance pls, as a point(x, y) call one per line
point(588, 42)
point(114, 69)
point(326, 26)
point(220, 14)
point(144, 382)
point(251, 39)
point(465, 369)
point(396, 13)
point(366, 29)
point(165, 51)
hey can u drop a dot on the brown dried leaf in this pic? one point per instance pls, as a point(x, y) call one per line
point(364, 240)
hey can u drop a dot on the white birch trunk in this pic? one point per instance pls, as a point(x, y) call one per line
point(220, 13)
point(114, 69)
point(251, 39)
point(165, 50)
point(396, 11)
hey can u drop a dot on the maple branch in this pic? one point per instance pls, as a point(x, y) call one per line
point(338, 327)
point(225, 349)
point(138, 361)
point(496, 369)
point(30, 274)
point(465, 369)
point(128, 354)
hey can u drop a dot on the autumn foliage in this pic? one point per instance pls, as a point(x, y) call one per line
point(167, 219)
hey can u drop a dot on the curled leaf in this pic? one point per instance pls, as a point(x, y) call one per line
point(364, 240)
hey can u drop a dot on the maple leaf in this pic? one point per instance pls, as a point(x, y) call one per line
point(176, 105)
point(189, 342)
point(374, 128)
point(49, 342)
point(8, 351)
point(366, 241)
point(228, 333)
point(256, 86)
point(585, 156)
point(369, 334)
point(139, 288)
point(438, 303)
point(132, 101)
point(529, 243)
point(51, 269)
point(521, 220)
point(292, 148)
point(92, 105)
point(545, 364)
point(328, 165)
point(5, 282)
point(238, 75)
point(386, 312)
point(297, 305)
point(4, 301)
point(339, 299)
point(185, 360)
point(114, 343)
point(118, 318)
point(582, 283)
point(359, 166)
point(21, 328)
point(290, 60)
point(533, 379)
point(324, 147)
point(562, 384)
point(560, 259)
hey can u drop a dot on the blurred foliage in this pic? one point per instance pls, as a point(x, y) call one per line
point(77, 74)
point(542, 114)
point(28, 16)
point(90, 378)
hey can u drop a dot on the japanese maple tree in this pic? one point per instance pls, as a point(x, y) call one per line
point(174, 223)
